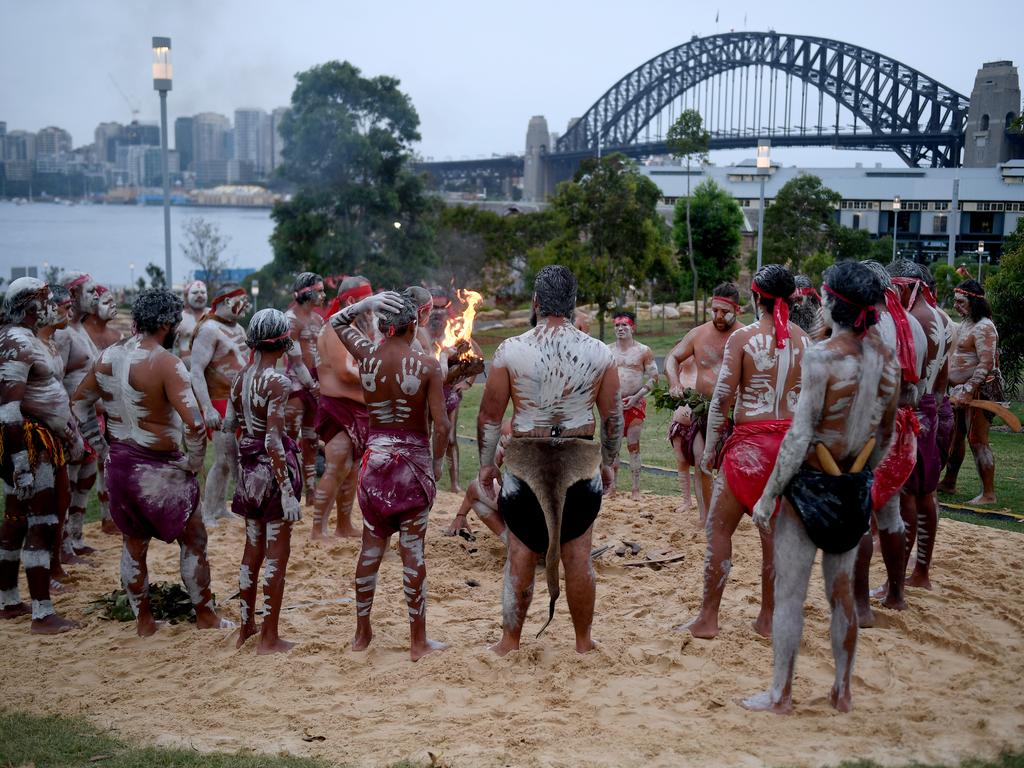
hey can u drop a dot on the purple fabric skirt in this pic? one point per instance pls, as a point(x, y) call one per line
point(396, 479)
point(150, 497)
point(944, 431)
point(925, 477)
point(257, 493)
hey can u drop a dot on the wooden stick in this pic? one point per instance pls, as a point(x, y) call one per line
point(828, 463)
point(999, 410)
point(863, 456)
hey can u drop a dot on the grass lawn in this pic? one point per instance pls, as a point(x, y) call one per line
point(56, 742)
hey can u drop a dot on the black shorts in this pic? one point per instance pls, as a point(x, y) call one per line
point(835, 510)
point(522, 513)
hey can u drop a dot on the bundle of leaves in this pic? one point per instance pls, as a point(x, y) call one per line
point(170, 603)
point(665, 400)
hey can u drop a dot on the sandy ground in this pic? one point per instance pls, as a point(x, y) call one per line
point(936, 683)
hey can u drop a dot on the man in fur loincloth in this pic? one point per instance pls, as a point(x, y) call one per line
point(341, 421)
point(973, 375)
point(404, 450)
point(823, 476)
point(759, 382)
point(637, 376)
point(554, 473)
point(705, 344)
point(37, 436)
point(269, 477)
point(154, 491)
point(218, 355)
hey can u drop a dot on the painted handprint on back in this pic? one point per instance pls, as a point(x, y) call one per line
point(368, 369)
point(410, 380)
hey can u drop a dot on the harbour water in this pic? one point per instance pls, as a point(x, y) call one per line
point(105, 240)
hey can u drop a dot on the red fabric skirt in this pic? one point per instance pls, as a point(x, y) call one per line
point(895, 469)
point(748, 458)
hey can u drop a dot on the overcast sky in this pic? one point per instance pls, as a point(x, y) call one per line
point(476, 71)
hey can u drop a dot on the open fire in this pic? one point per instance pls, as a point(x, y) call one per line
point(463, 362)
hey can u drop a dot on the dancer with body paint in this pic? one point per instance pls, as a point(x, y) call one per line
point(78, 353)
point(706, 345)
point(195, 308)
point(217, 357)
point(903, 334)
point(806, 309)
point(554, 473)
point(269, 477)
point(822, 478)
point(637, 376)
point(683, 417)
point(485, 504)
point(397, 479)
point(759, 382)
point(154, 491)
point(37, 436)
point(973, 376)
point(305, 324)
point(342, 421)
point(59, 318)
point(918, 502)
point(97, 325)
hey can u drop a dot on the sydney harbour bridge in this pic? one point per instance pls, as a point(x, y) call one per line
point(794, 90)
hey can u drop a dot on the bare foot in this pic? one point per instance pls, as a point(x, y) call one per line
point(67, 558)
point(505, 646)
point(347, 531)
point(109, 527)
point(362, 639)
point(456, 488)
point(53, 624)
point(919, 579)
point(683, 508)
point(762, 702)
point(207, 618)
point(893, 603)
point(865, 617)
point(840, 700)
point(14, 611)
point(319, 534)
point(57, 572)
point(57, 587)
point(585, 646)
point(983, 498)
point(244, 633)
point(705, 629)
point(84, 550)
point(146, 626)
point(946, 488)
point(763, 624)
point(265, 648)
point(417, 652)
point(635, 496)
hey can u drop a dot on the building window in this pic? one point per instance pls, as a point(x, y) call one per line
point(856, 221)
point(984, 122)
point(939, 224)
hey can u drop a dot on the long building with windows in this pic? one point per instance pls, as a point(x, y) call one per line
point(988, 201)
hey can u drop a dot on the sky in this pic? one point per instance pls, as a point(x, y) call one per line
point(475, 71)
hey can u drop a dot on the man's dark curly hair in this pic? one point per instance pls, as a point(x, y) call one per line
point(268, 331)
point(401, 319)
point(773, 280)
point(555, 289)
point(861, 289)
point(155, 308)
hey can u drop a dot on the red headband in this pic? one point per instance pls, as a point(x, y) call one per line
point(735, 305)
point(904, 337)
point(101, 289)
point(79, 281)
point(228, 295)
point(808, 291)
point(968, 293)
point(360, 291)
point(780, 313)
point(627, 319)
point(424, 305)
point(308, 289)
point(868, 312)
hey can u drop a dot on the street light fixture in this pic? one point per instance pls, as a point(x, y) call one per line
point(895, 223)
point(163, 73)
point(981, 253)
point(764, 167)
point(254, 289)
point(131, 268)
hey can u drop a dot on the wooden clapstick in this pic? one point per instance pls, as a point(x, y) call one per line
point(825, 459)
point(863, 456)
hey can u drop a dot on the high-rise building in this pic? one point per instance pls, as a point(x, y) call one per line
point(252, 139)
point(3, 138)
point(183, 137)
point(20, 145)
point(53, 141)
point(208, 129)
point(141, 134)
point(277, 141)
point(105, 139)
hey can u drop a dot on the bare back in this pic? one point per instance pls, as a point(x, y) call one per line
point(337, 369)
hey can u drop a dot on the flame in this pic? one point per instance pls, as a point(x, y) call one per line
point(460, 328)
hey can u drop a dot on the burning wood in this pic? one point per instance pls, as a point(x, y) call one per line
point(457, 343)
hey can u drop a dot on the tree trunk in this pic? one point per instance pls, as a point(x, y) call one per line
point(600, 320)
point(689, 243)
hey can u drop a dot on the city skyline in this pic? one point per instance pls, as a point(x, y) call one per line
point(475, 75)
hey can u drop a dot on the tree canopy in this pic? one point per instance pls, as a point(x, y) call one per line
point(717, 224)
point(608, 231)
point(799, 221)
point(358, 207)
point(1005, 292)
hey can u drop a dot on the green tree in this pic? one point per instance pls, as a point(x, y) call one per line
point(156, 276)
point(715, 236)
point(204, 244)
point(816, 264)
point(799, 221)
point(609, 231)
point(1005, 292)
point(845, 244)
point(688, 140)
point(358, 207)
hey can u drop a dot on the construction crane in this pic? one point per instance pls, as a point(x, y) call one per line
point(134, 109)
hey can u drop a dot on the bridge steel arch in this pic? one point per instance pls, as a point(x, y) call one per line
point(902, 109)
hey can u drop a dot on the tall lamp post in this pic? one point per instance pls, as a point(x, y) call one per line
point(764, 167)
point(254, 289)
point(163, 72)
point(981, 253)
point(895, 223)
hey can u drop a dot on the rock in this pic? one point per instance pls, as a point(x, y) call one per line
point(665, 310)
point(491, 314)
point(520, 314)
